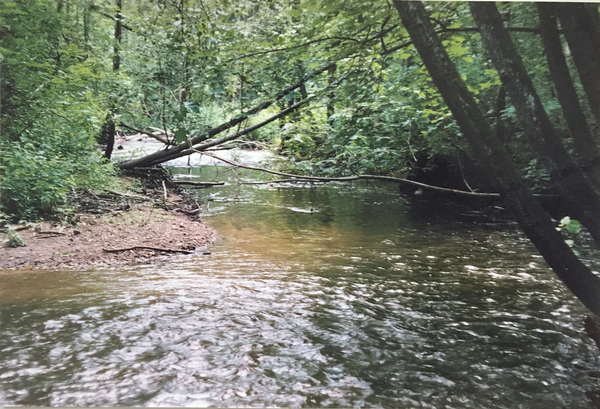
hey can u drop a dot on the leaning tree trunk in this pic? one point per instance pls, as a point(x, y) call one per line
point(187, 148)
point(567, 96)
point(574, 184)
point(584, 43)
point(536, 224)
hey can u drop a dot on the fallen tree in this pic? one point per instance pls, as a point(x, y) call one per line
point(194, 142)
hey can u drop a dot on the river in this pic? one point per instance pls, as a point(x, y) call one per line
point(343, 295)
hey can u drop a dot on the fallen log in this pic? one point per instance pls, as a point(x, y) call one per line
point(178, 150)
point(199, 184)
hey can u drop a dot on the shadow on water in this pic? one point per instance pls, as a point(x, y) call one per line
point(345, 295)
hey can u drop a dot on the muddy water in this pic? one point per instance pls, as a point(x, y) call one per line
point(369, 300)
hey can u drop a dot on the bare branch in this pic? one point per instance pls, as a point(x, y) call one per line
point(356, 177)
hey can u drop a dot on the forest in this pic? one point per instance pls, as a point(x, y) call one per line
point(476, 100)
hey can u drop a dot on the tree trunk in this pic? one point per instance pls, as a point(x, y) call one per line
point(536, 224)
point(501, 106)
point(567, 96)
point(575, 186)
point(592, 9)
point(87, 15)
point(331, 95)
point(215, 142)
point(110, 125)
point(184, 148)
point(583, 41)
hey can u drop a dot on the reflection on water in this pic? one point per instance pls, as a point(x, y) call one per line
point(370, 300)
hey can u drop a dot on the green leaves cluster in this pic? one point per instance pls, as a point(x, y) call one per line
point(51, 112)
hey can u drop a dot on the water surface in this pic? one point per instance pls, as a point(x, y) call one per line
point(345, 295)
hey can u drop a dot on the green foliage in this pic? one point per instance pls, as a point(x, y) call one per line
point(51, 111)
point(13, 238)
point(572, 226)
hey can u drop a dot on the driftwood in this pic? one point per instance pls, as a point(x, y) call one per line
point(50, 233)
point(198, 184)
point(190, 212)
point(128, 195)
point(148, 248)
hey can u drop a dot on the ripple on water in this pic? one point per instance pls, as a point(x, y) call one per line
point(349, 307)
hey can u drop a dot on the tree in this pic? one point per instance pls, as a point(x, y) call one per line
point(584, 41)
point(536, 224)
point(567, 95)
point(109, 128)
point(574, 185)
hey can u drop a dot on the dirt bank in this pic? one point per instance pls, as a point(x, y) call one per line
point(134, 233)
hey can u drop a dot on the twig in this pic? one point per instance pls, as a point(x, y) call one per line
point(51, 233)
point(92, 193)
point(127, 195)
point(164, 189)
point(190, 212)
point(148, 248)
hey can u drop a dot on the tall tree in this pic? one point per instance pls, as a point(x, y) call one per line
point(577, 189)
point(536, 224)
point(109, 128)
point(584, 43)
point(567, 96)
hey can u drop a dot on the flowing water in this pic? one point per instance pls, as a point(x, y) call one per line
point(345, 295)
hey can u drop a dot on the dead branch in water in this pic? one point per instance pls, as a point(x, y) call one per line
point(352, 178)
point(198, 184)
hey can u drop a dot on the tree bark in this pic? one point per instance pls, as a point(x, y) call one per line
point(567, 96)
point(110, 129)
point(536, 224)
point(178, 150)
point(215, 142)
point(584, 43)
point(501, 106)
point(574, 185)
point(592, 9)
point(331, 95)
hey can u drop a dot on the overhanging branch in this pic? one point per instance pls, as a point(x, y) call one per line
point(356, 177)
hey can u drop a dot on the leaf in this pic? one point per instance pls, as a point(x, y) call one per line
point(574, 226)
point(192, 106)
point(564, 221)
point(457, 50)
point(181, 135)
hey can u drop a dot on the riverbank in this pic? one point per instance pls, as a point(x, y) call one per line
point(113, 229)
